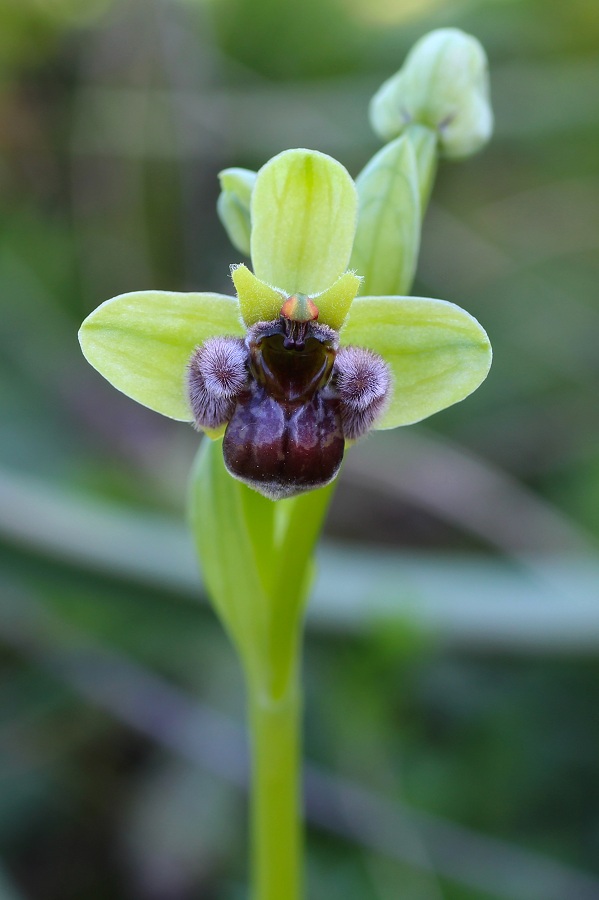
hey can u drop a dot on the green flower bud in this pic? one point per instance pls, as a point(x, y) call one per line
point(443, 85)
point(233, 206)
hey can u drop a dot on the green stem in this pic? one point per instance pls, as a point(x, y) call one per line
point(257, 560)
point(276, 803)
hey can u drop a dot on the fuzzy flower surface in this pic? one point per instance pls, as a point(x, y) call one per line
point(296, 364)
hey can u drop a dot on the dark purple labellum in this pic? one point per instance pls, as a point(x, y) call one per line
point(290, 399)
point(285, 435)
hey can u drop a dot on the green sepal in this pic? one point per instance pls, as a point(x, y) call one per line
point(437, 352)
point(142, 343)
point(233, 206)
point(387, 239)
point(303, 221)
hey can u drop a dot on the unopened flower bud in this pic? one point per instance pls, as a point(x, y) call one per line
point(233, 206)
point(443, 85)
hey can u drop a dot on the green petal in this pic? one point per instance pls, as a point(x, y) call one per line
point(303, 221)
point(388, 235)
point(437, 352)
point(258, 302)
point(142, 342)
point(334, 303)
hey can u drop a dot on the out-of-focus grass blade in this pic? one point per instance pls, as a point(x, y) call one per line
point(533, 603)
point(149, 704)
point(149, 549)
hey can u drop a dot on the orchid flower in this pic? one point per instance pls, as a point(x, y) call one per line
point(295, 365)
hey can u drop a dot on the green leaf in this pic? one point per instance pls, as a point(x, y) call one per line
point(437, 352)
point(388, 234)
point(298, 523)
point(227, 552)
point(256, 557)
point(303, 221)
point(142, 342)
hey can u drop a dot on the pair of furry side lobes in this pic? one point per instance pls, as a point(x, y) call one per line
point(290, 398)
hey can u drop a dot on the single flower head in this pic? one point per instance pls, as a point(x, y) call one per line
point(295, 365)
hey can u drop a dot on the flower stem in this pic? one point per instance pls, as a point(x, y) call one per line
point(276, 815)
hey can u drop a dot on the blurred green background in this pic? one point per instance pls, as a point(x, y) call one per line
point(452, 666)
